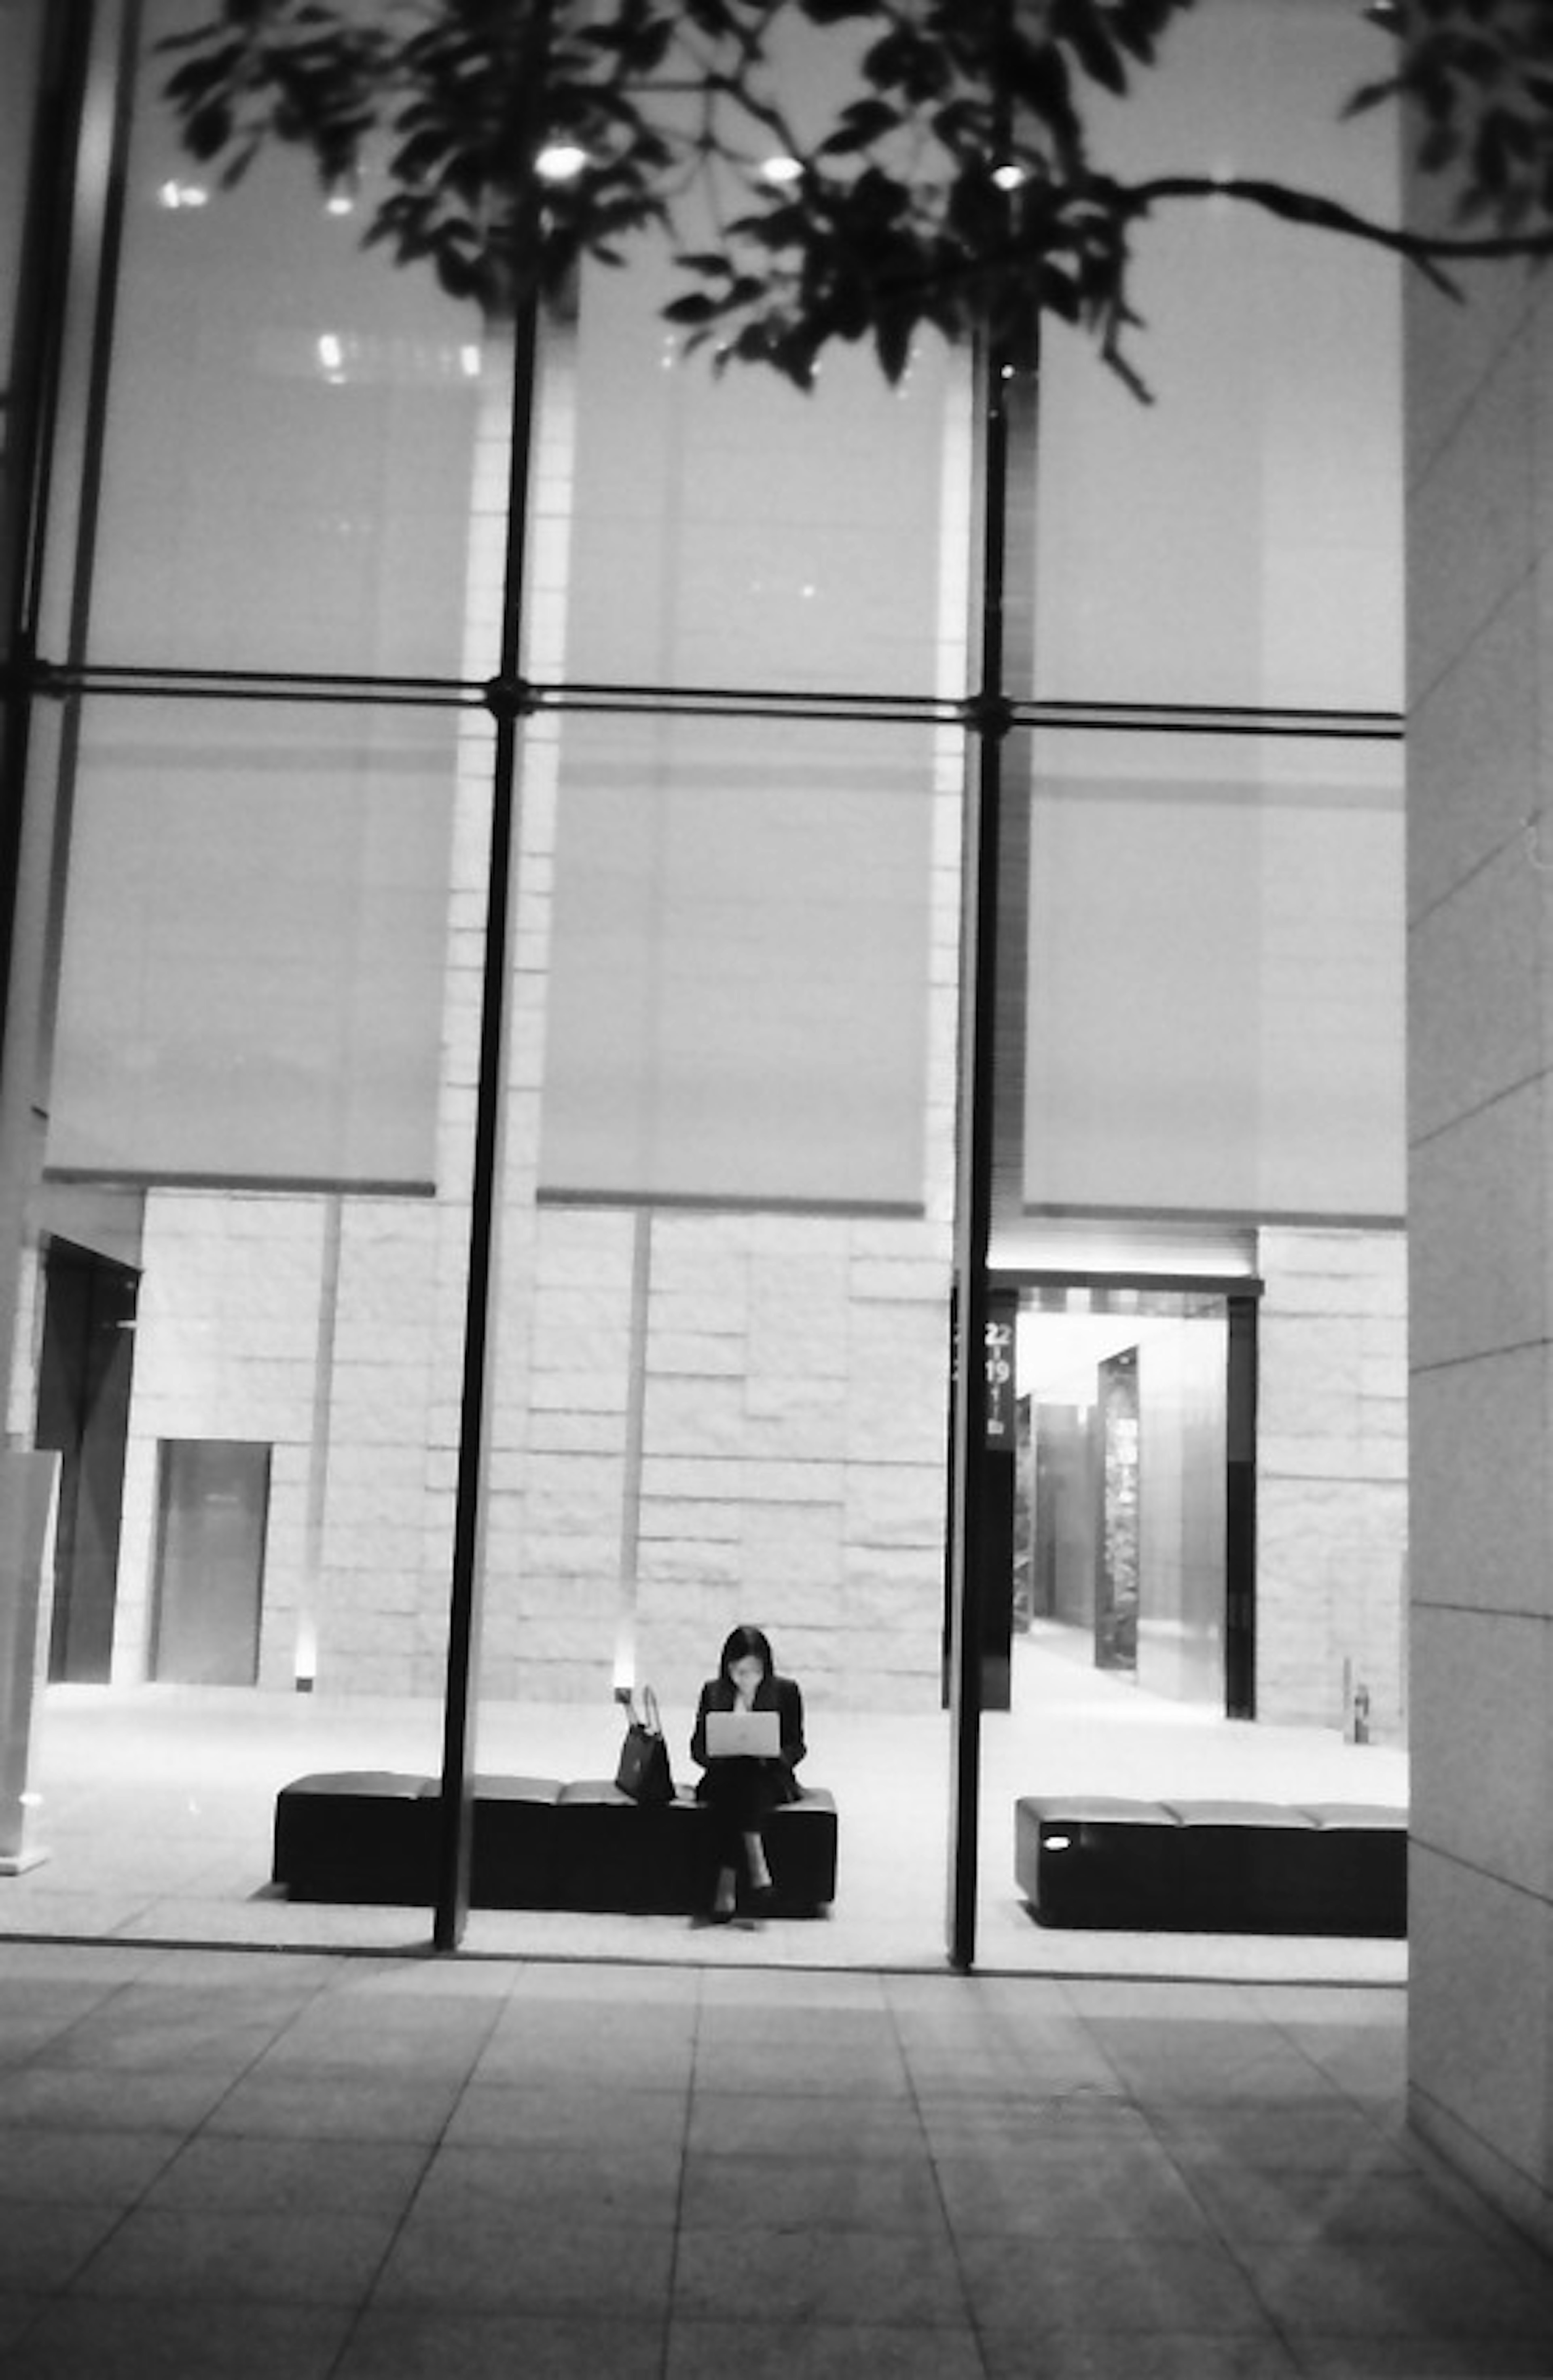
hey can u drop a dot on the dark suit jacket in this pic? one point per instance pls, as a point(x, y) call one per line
point(780, 1694)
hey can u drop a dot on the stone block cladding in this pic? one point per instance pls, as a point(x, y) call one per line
point(1480, 905)
point(1332, 1476)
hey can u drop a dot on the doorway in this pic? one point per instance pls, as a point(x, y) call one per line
point(83, 1415)
point(212, 1515)
point(1134, 1485)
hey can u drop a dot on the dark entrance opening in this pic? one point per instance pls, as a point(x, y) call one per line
point(83, 1415)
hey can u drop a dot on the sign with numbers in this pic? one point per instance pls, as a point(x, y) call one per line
point(1002, 1314)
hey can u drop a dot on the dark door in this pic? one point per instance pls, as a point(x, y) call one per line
point(83, 1415)
point(214, 1502)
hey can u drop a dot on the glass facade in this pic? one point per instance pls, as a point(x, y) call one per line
point(481, 1202)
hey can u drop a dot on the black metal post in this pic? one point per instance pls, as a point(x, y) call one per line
point(31, 416)
point(506, 699)
point(988, 718)
point(1240, 1531)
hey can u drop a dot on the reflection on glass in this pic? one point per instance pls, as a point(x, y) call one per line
point(20, 30)
point(1215, 1011)
point(242, 1296)
point(293, 468)
point(255, 939)
point(732, 531)
point(739, 1003)
point(1239, 539)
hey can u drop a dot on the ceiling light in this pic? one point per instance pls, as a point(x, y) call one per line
point(560, 160)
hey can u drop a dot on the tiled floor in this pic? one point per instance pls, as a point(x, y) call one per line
point(254, 2163)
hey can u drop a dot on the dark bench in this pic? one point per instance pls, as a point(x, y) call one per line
point(1225, 1867)
point(372, 1836)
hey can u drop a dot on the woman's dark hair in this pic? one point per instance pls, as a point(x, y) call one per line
point(741, 1643)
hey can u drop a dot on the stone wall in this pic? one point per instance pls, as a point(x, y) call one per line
point(1480, 469)
point(1331, 1443)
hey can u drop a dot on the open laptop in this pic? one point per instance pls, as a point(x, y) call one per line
point(743, 1735)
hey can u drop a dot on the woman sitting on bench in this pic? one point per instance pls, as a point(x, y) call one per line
point(748, 1739)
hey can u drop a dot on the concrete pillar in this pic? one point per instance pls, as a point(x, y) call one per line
point(1480, 512)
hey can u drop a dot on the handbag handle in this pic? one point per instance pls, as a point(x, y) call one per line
point(650, 1718)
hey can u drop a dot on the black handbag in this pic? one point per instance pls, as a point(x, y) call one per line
point(644, 1771)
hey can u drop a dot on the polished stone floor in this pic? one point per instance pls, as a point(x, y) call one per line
point(316, 2166)
point(156, 1806)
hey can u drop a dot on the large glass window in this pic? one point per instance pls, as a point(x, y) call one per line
point(731, 531)
point(292, 461)
point(262, 1116)
point(21, 23)
point(255, 938)
point(1238, 539)
point(739, 1000)
point(1215, 1014)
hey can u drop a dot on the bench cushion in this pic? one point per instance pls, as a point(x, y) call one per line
point(357, 1835)
point(1095, 1859)
point(512, 1850)
point(1218, 1866)
point(371, 1835)
point(612, 1853)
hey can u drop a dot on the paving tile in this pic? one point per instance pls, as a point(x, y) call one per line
point(850, 2070)
point(1070, 2196)
point(1098, 2122)
point(108, 2043)
point(659, 2061)
point(819, 2276)
point(1423, 2358)
point(19, 2311)
point(82, 2098)
point(43, 2247)
point(802, 2124)
point(578, 2027)
point(1330, 2138)
point(742, 2193)
point(75, 1963)
point(342, 2041)
point(406, 2346)
point(590, 1982)
point(234, 2172)
point(47, 2162)
point(979, 1999)
point(358, 2103)
point(566, 2109)
point(1213, 2063)
point(774, 2029)
point(1089, 2355)
point(605, 2181)
point(311, 2255)
point(430, 1977)
point(764, 2349)
point(1371, 2286)
point(1299, 2204)
point(77, 2339)
point(1159, 2001)
point(474, 2259)
point(1029, 2081)
point(1108, 2284)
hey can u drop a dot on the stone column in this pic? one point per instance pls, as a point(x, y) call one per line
point(1480, 514)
